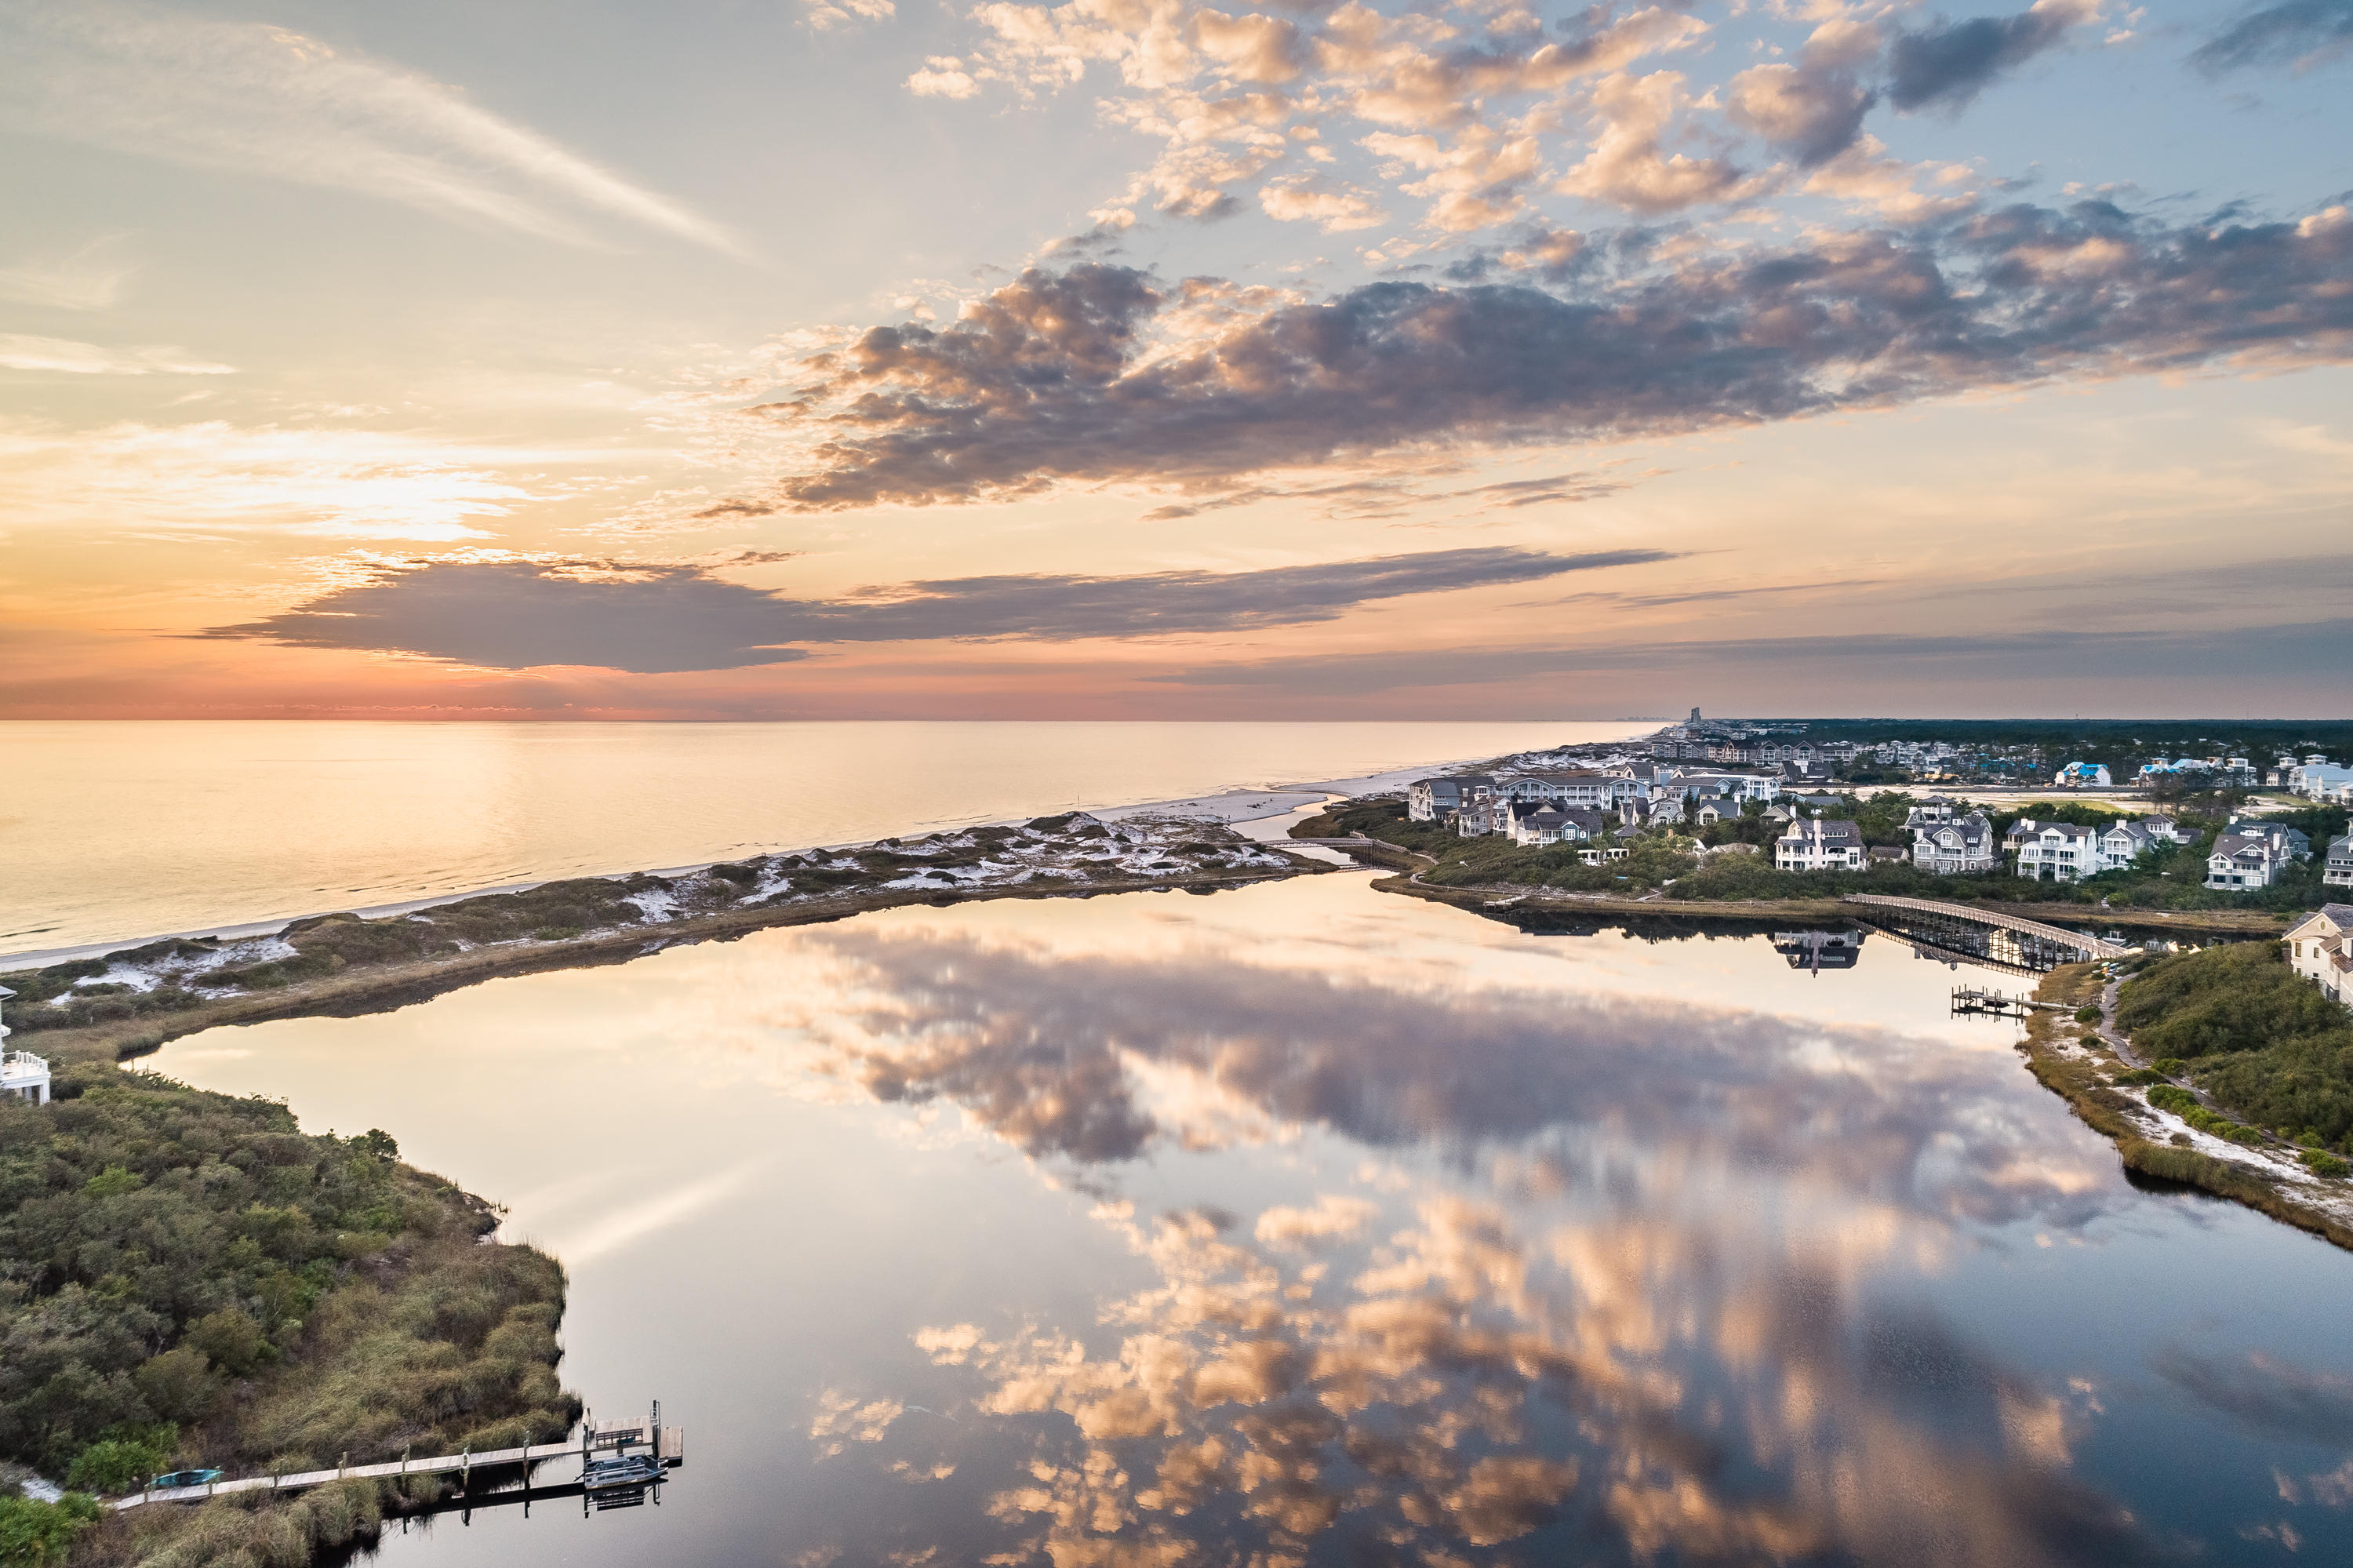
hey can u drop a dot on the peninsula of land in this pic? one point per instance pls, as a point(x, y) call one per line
point(129, 1001)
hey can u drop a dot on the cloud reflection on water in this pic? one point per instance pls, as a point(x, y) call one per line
point(1626, 1306)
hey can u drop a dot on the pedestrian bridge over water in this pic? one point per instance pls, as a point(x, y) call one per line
point(1966, 933)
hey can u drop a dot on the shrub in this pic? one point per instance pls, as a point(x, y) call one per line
point(2171, 1067)
point(2180, 1102)
point(2321, 1164)
point(2090, 1014)
point(34, 1534)
point(113, 1465)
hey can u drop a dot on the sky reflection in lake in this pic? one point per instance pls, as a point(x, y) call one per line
point(1309, 1224)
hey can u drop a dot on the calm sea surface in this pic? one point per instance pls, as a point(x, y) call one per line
point(1307, 1224)
point(114, 830)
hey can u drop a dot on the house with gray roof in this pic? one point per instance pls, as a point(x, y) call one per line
point(1819, 843)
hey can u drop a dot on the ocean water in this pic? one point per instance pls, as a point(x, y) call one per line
point(1308, 1224)
point(115, 831)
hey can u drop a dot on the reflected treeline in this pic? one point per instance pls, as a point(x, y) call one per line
point(1609, 1288)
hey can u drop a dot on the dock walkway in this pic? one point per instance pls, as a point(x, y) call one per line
point(667, 1444)
point(300, 1479)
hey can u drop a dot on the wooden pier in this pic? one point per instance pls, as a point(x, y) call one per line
point(1977, 1000)
point(665, 1449)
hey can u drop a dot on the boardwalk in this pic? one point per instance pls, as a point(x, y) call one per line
point(2090, 946)
point(302, 1480)
point(596, 1437)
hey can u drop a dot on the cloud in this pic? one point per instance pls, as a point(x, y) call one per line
point(1332, 1218)
point(1951, 63)
point(658, 618)
point(2254, 652)
point(1332, 211)
point(2275, 1399)
point(87, 279)
point(212, 477)
point(1814, 115)
point(19, 352)
point(1629, 166)
point(2301, 32)
point(251, 98)
point(824, 14)
point(943, 76)
point(1082, 374)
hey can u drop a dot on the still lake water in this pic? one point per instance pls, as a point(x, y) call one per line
point(1306, 1224)
point(110, 831)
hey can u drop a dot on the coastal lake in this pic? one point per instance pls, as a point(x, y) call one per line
point(113, 831)
point(1303, 1224)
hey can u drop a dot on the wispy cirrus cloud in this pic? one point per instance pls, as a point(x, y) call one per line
point(251, 98)
point(2300, 33)
point(19, 351)
point(87, 278)
point(211, 477)
point(1102, 373)
point(652, 618)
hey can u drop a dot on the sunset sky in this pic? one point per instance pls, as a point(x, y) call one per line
point(838, 358)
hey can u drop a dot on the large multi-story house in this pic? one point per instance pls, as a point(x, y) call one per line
point(2319, 778)
point(1534, 823)
point(2054, 851)
point(1819, 843)
point(1433, 799)
point(2320, 948)
point(2336, 871)
point(1947, 844)
point(1716, 785)
point(2251, 854)
point(2083, 775)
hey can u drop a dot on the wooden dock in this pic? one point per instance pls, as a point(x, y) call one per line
point(1976, 1000)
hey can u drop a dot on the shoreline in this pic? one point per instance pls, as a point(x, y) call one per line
point(1225, 808)
point(383, 988)
point(2154, 1143)
point(1765, 911)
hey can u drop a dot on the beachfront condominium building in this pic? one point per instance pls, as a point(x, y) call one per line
point(1586, 791)
point(2320, 948)
point(1819, 843)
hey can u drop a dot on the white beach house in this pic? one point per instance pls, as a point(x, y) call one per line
point(23, 1075)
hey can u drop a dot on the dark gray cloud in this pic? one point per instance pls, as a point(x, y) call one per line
point(2303, 33)
point(654, 619)
point(1950, 64)
point(1047, 379)
point(2274, 1398)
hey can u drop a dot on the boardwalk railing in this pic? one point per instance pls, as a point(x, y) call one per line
point(2091, 947)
